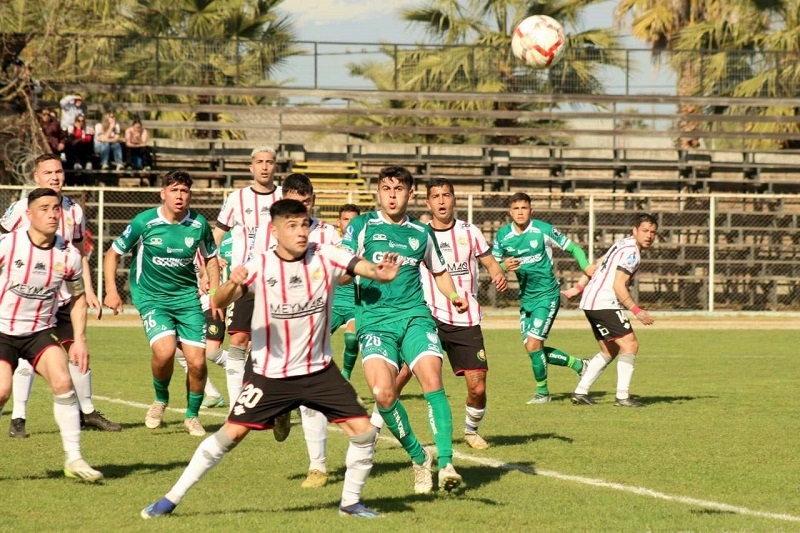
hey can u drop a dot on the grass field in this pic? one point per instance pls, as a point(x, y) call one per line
point(714, 450)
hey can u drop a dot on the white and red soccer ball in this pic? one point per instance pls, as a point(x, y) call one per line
point(539, 41)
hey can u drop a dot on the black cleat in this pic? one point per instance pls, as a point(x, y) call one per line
point(17, 429)
point(97, 420)
point(628, 402)
point(582, 399)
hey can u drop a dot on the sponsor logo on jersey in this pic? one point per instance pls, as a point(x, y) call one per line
point(32, 292)
point(188, 241)
point(510, 248)
point(458, 269)
point(248, 210)
point(348, 233)
point(414, 243)
point(39, 267)
point(379, 237)
point(271, 282)
point(509, 235)
point(295, 281)
point(534, 243)
point(445, 246)
point(530, 259)
point(173, 262)
point(377, 257)
point(432, 337)
point(287, 311)
point(174, 250)
point(401, 246)
point(19, 263)
point(9, 211)
point(264, 209)
point(156, 241)
point(70, 222)
point(556, 232)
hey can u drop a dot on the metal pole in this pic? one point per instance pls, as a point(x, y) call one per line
point(396, 68)
point(712, 246)
point(316, 59)
point(590, 237)
point(101, 234)
point(158, 63)
point(469, 208)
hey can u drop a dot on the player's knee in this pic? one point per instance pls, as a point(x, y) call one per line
point(60, 383)
point(351, 342)
point(384, 396)
point(240, 339)
point(366, 438)
point(477, 388)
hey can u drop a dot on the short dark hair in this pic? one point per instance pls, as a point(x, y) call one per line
point(287, 208)
point(401, 174)
point(176, 176)
point(350, 208)
point(641, 218)
point(439, 182)
point(299, 183)
point(45, 157)
point(40, 192)
point(519, 197)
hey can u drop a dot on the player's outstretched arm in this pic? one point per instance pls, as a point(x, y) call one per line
point(383, 271)
point(231, 290)
point(495, 271)
point(444, 282)
point(584, 264)
point(625, 298)
point(110, 264)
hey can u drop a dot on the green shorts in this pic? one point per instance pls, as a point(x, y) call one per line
point(341, 316)
point(186, 322)
point(401, 341)
point(537, 322)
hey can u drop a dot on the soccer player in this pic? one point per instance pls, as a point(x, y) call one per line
point(344, 310)
point(35, 264)
point(525, 247)
point(291, 360)
point(395, 326)
point(49, 172)
point(243, 212)
point(603, 302)
point(163, 285)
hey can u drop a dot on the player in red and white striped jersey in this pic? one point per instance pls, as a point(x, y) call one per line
point(604, 300)
point(49, 172)
point(34, 264)
point(291, 361)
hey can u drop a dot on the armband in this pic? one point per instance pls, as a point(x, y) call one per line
point(636, 309)
point(212, 292)
point(503, 266)
point(579, 287)
point(453, 296)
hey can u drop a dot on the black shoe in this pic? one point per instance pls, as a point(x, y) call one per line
point(582, 399)
point(97, 420)
point(628, 402)
point(17, 429)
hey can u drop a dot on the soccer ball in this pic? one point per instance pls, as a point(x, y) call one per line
point(538, 41)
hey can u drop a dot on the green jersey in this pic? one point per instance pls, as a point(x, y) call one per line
point(163, 268)
point(344, 295)
point(226, 253)
point(534, 248)
point(371, 235)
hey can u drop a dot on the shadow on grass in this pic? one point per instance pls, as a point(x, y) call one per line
point(379, 468)
point(514, 440)
point(710, 511)
point(648, 400)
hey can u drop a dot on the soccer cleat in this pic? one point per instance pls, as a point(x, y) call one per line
point(155, 414)
point(162, 507)
point(582, 399)
point(475, 441)
point(194, 427)
point(423, 475)
point(539, 398)
point(80, 469)
point(17, 429)
point(358, 510)
point(449, 479)
point(627, 402)
point(283, 425)
point(213, 401)
point(315, 479)
point(584, 368)
point(96, 419)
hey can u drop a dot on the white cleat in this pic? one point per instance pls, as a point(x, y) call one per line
point(155, 415)
point(449, 479)
point(80, 469)
point(194, 427)
point(423, 475)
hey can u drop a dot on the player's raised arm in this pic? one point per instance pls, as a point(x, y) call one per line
point(384, 271)
point(231, 290)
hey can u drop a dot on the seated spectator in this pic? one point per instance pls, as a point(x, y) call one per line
point(71, 108)
point(56, 137)
point(107, 140)
point(80, 144)
point(137, 156)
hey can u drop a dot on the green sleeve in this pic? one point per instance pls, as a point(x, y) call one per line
point(128, 239)
point(577, 253)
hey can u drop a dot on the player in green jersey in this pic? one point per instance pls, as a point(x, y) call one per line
point(163, 283)
point(395, 326)
point(344, 307)
point(525, 247)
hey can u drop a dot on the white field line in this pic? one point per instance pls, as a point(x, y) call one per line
point(502, 465)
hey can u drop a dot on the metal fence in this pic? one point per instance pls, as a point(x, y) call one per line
point(714, 253)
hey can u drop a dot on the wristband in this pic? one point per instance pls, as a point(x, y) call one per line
point(579, 287)
point(453, 296)
point(212, 292)
point(636, 309)
point(503, 266)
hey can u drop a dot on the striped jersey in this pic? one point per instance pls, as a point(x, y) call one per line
point(623, 255)
point(320, 232)
point(248, 210)
point(291, 316)
point(31, 278)
point(461, 245)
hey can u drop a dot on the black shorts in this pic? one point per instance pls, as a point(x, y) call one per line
point(63, 328)
point(608, 324)
point(215, 327)
point(242, 314)
point(464, 347)
point(28, 347)
point(262, 399)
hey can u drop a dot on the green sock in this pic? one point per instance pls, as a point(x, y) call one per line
point(539, 364)
point(162, 390)
point(396, 419)
point(350, 354)
point(193, 403)
point(440, 419)
point(559, 358)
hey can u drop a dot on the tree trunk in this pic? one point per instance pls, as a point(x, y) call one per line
point(686, 87)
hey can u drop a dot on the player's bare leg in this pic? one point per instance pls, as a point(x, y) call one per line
point(162, 365)
point(196, 375)
point(475, 407)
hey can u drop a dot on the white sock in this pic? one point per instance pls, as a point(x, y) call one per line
point(624, 374)
point(22, 383)
point(65, 411)
point(596, 366)
point(218, 357)
point(376, 419)
point(206, 457)
point(82, 383)
point(315, 429)
point(474, 417)
point(181, 359)
point(234, 372)
point(211, 390)
point(359, 464)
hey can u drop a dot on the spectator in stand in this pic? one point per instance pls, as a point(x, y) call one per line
point(80, 141)
point(56, 137)
point(71, 108)
point(107, 140)
point(136, 146)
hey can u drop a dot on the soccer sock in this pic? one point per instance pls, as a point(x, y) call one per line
point(65, 411)
point(162, 390)
point(234, 371)
point(218, 357)
point(359, 463)
point(211, 390)
point(376, 419)
point(22, 383)
point(440, 418)
point(206, 457)
point(539, 365)
point(559, 358)
point(597, 364)
point(350, 355)
point(624, 374)
point(193, 402)
point(474, 418)
point(396, 419)
point(315, 429)
point(82, 383)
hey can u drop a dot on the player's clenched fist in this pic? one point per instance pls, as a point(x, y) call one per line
point(238, 275)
